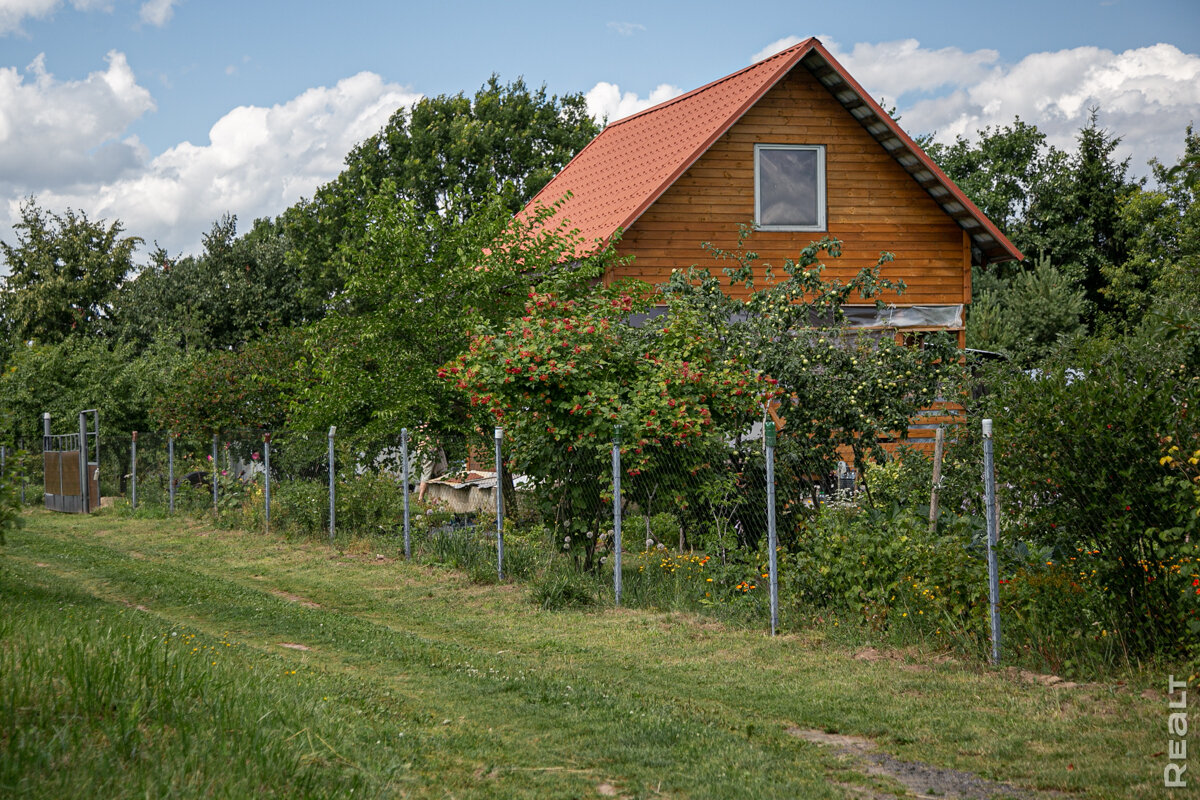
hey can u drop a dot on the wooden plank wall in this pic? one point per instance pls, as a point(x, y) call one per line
point(872, 203)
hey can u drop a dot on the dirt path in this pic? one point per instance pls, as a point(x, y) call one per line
point(921, 780)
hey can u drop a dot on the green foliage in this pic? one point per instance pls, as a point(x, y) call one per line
point(562, 375)
point(10, 493)
point(561, 586)
point(1002, 170)
point(841, 389)
point(1163, 229)
point(505, 143)
point(1064, 206)
point(78, 373)
point(1084, 455)
point(416, 284)
point(238, 289)
point(1028, 315)
point(225, 390)
point(62, 273)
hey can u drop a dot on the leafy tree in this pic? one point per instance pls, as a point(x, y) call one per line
point(843, 390)
point(1050, 203)
point(78, 373)
point(1162, 227)
point(563, 374)
point(63, 271)
point(236, 290)
point(1002, 171)
point(442, 151)
point(1076, 222)
point(1086, 453)
point(567, 371)
point(225, 390)
point(416, 284)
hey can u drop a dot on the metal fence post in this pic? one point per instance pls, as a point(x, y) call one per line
point(772, 539)
point(499, 506)
point(171, 471)
point(24, 459)
point(616, 476)
point(332, 509)
point(133, 470)
point(85, 495)
point(989, 484)
point(267, 482)
point(215, 467)
point(404, 470)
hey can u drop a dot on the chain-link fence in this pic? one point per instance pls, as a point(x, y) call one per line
point(1094, 540)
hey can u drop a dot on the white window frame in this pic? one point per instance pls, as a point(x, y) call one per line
point(819, 149)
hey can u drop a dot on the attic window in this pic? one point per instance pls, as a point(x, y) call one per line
point(789, 187)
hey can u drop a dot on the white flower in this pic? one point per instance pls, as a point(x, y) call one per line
point(649, 543)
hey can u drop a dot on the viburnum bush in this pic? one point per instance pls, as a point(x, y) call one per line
point(565, 373)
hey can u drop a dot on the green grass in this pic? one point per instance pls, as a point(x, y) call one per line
point(159, 658)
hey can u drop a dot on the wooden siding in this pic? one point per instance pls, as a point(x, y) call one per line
point(873, 205)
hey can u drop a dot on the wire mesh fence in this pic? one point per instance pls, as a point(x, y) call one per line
point(1089, 546)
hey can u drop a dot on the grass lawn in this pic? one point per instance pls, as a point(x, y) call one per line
point(156, 658)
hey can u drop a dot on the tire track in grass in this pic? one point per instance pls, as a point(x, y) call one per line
point(570, 719)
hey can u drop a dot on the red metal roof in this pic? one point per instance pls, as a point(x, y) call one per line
point(625, 169)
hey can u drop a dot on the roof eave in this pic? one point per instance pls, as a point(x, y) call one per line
point(991, 243)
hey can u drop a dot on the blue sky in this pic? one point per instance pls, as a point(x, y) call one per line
point(167, 113)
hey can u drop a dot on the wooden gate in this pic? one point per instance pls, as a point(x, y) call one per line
point(72, 465)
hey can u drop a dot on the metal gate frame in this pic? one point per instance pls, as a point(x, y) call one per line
point(72, 478)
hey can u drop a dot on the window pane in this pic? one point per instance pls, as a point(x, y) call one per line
point(787, 186)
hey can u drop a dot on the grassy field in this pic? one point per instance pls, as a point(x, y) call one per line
point(144, 658)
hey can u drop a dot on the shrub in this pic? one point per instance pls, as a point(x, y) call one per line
point(1088, 452)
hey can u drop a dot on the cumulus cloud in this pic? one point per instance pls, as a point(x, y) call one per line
point(54, 134)
point(157, 12)
point(774, 47)
point(257, 162)
point(14, 12)
point(891, 69)
point(606, 101)
point(1146, 95)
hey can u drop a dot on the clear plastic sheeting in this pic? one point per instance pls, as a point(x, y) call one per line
point(904, 316)
point(950, 317)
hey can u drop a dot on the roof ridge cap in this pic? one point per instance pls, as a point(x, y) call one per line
point(807, 43)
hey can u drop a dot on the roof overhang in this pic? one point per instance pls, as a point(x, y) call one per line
point(988, 244)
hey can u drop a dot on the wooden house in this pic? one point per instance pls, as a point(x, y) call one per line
point(795, 146)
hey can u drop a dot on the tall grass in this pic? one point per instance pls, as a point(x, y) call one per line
point(146, 708)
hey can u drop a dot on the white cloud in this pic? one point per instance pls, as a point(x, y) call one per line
point(157, 12)
point(57, 133)
point(891, 69)
point(257, 162)
point(626, 28)
point(1145, 95)
point(774, 47)
point(14, 12)
point(605, 100)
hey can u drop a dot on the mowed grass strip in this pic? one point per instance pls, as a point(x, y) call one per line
point(151, 658)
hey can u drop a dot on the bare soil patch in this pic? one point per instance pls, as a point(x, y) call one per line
point(919, 779)
point(294, 646)
point(295, 598)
